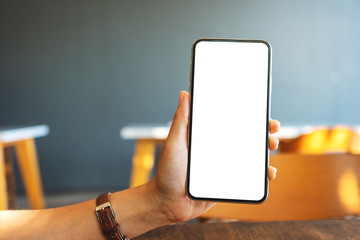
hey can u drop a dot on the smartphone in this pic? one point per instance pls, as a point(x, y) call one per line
point(230, 89)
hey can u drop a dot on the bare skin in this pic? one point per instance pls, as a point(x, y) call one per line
point(161, 201)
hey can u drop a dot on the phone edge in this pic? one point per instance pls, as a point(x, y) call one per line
point(269, 92)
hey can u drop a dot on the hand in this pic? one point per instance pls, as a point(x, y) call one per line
point(168, 185)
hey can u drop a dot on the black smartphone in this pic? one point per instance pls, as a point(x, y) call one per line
point(230, 89)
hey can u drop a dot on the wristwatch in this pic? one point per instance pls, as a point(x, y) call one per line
point(106, 218)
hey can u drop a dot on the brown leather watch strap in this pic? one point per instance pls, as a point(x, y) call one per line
point(106, 217)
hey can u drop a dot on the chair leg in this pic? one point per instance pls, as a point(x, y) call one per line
point(3, 191)
point(29, 168)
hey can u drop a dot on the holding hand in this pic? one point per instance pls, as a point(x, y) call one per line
point(168, 185)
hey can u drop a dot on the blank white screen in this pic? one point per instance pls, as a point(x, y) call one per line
point(229, 120)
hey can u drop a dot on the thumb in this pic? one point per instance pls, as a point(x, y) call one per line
point(179, 126)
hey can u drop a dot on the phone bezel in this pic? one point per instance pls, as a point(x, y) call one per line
point(191, 90)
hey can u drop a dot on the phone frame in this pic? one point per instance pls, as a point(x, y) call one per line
point(191, 90)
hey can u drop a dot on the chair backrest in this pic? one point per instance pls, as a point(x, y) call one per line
point(338, 139)
point(306, 187)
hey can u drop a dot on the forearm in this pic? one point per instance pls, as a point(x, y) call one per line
point(135, 211)
point(35, 224)
point(71, 222)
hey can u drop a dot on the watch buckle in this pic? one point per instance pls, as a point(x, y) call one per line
point(102, 208)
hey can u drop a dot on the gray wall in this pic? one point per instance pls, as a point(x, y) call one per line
point(87, 68)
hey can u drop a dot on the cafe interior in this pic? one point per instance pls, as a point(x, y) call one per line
point(88, 90)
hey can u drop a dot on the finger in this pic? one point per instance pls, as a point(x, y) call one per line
point(180, 121)
point(274, 126)
point(273, 143)
point(272, 173)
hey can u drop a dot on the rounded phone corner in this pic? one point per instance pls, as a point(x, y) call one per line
point(265, 196)
point(265, 42)
point(192, 197)
point(187, 191)
point(197, 41)
point(262, 200)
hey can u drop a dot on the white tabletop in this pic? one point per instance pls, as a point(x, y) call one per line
point(146, 131)
point(17, 133)
point(161, 130)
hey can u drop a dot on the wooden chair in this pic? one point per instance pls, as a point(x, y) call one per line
point(306, 187)
point(337, 139)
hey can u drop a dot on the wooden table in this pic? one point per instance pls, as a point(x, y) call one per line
point(306, 230)
point(148, 136)
point(22, 139)
point(306, 187)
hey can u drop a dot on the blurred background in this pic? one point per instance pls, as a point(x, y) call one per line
point(88, 68)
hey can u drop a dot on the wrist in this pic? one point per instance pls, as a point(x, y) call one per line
point(137, 211)
point(160, 203)
point(157, 203)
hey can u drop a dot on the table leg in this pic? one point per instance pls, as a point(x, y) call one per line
point(143, 161)
point(10, 177)
point(3, 191)
point(29, 168)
